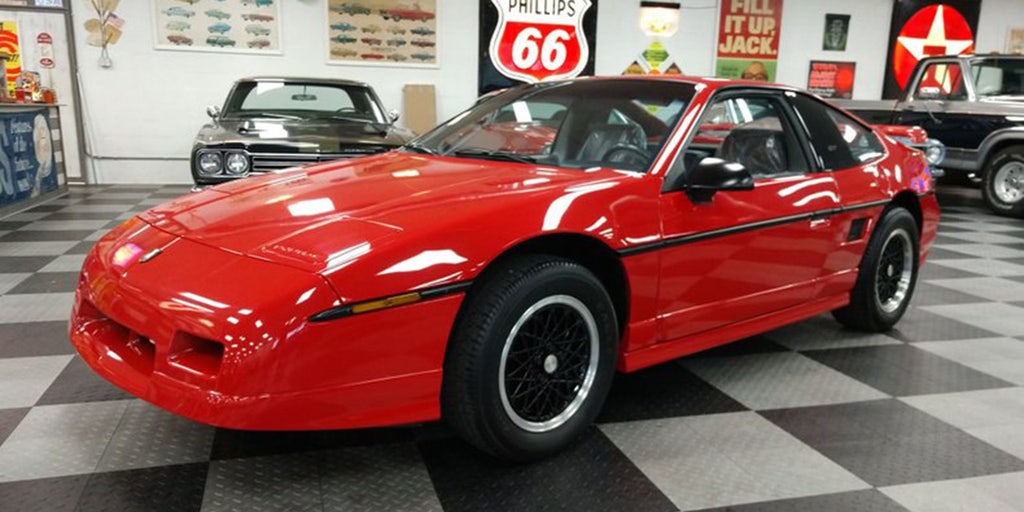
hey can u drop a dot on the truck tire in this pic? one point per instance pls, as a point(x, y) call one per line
point(1003, 184)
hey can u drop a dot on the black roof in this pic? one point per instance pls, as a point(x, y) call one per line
point(305, 80)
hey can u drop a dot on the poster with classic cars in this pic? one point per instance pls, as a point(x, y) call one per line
point(241, 26)
point(382, 32)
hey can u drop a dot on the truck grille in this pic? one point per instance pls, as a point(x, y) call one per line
point(268, 162)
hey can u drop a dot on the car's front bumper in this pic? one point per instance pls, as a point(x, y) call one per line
point(214, 346)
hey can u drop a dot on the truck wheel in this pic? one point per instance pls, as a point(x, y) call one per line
point(887, 275)
point(1003, 184)
point(531, 358)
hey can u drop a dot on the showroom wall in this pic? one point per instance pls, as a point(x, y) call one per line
point(141, 114)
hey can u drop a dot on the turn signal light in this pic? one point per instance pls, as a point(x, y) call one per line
point(389, 302)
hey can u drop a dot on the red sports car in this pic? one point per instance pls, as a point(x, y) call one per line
point(490, 278)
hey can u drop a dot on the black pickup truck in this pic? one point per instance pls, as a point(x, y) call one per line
point(974, 104)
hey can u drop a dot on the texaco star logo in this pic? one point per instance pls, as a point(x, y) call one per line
point(934, 30)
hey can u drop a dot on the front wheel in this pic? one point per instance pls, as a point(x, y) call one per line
point(1003, 184)
point(531, 359)
point(886, 276)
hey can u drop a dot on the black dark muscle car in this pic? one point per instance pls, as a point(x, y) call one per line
point(270, 124)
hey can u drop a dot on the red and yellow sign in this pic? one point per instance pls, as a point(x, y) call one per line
point(934, 30)
point(748, 39)
point(537, 40)
point(11, 49)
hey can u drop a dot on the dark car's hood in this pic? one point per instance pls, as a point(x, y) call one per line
point(316, 217)
point(307, 136)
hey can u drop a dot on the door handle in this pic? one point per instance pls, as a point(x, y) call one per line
point(819, 219)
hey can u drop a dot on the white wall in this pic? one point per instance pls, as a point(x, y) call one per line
point(151, 103)
point(146, 110)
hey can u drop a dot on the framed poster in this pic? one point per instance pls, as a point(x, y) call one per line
point(238, 26)
point(926, 27)
point(837, 27)
point(832, 79)
point(27, 160)
point(382, 32)
point(748, 40)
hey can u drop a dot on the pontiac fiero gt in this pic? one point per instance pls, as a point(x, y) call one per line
point(497, 271)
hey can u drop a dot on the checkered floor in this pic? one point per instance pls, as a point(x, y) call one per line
point(810, 417)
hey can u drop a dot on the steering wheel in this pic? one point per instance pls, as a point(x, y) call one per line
point(631, 154)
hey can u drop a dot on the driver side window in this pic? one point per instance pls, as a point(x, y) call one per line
point(751, 131)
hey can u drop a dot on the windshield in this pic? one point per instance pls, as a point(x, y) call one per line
point(999, 77)
point(298, 100)
point(619, 124)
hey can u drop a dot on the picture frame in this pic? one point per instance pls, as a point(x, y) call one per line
point(383, 33)
point(220, 26)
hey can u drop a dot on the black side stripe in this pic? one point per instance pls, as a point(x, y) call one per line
point(743, 228)
point(425, 294)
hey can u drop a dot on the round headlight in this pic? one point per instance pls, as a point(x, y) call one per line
point(210, 163)
point(237, 164)
point(935, 153)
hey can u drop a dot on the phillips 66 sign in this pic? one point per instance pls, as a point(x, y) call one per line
point(537, 40)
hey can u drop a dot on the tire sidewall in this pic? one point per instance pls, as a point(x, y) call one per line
point(1007, 156)
point(897, 218)
point(556, 280)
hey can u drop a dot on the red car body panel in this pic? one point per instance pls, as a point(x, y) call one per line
point(203, 305)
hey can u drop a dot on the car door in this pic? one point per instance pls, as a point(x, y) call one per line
point(744, 254)
point(940, 103)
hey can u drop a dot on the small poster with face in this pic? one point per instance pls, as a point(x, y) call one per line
point(837, 26)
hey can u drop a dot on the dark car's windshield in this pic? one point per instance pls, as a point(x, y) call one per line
point(999, 77)
point(619, 124)
point(300, 100)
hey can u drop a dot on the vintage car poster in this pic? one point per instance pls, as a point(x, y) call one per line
point(533, 41)
point(219, 25)
point(837, 27)
point(27, 160)
point(832, 79)
point(748, 39)
point(927, 27)
point(382, 32)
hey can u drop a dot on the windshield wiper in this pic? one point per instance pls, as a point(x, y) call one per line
point(246, 115)
point(416, 147)
point(494, 155)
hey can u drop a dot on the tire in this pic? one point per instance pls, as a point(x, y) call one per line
point(504, 392)
point(887, 275)
point(1003, 184)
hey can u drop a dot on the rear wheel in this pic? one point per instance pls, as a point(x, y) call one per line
point(531, 359)
point(887, 275)
point(1003, 183)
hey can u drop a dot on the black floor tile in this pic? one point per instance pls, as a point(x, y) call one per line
point(870, 500)
point(32, 339)
point(592, 475)
point(47, 282)
point(232, 444)
point(126, 202)
point(920, 325)
point(44, 208)
point(9, 420)
point(178, 488)
point(44, 236)
point(938, 253)
point(12, 225)
point(946, 228)
point(927, 294)
point(944, 272)
point(745, 347)
point(81, 248)
point(905, 370)
point(78, 383)
point(48, 494)
point(664, 391)
point(83, 215)
point(886, 442)
point(18, 264)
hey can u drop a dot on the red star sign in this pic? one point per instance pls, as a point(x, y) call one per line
point(934, 30)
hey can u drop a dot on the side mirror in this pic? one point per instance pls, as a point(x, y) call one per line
point(713, 175)
point(393, 115)
point(929, 93)
point(213, 111)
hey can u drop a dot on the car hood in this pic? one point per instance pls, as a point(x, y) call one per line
point(306, 136)
point(324, 216)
